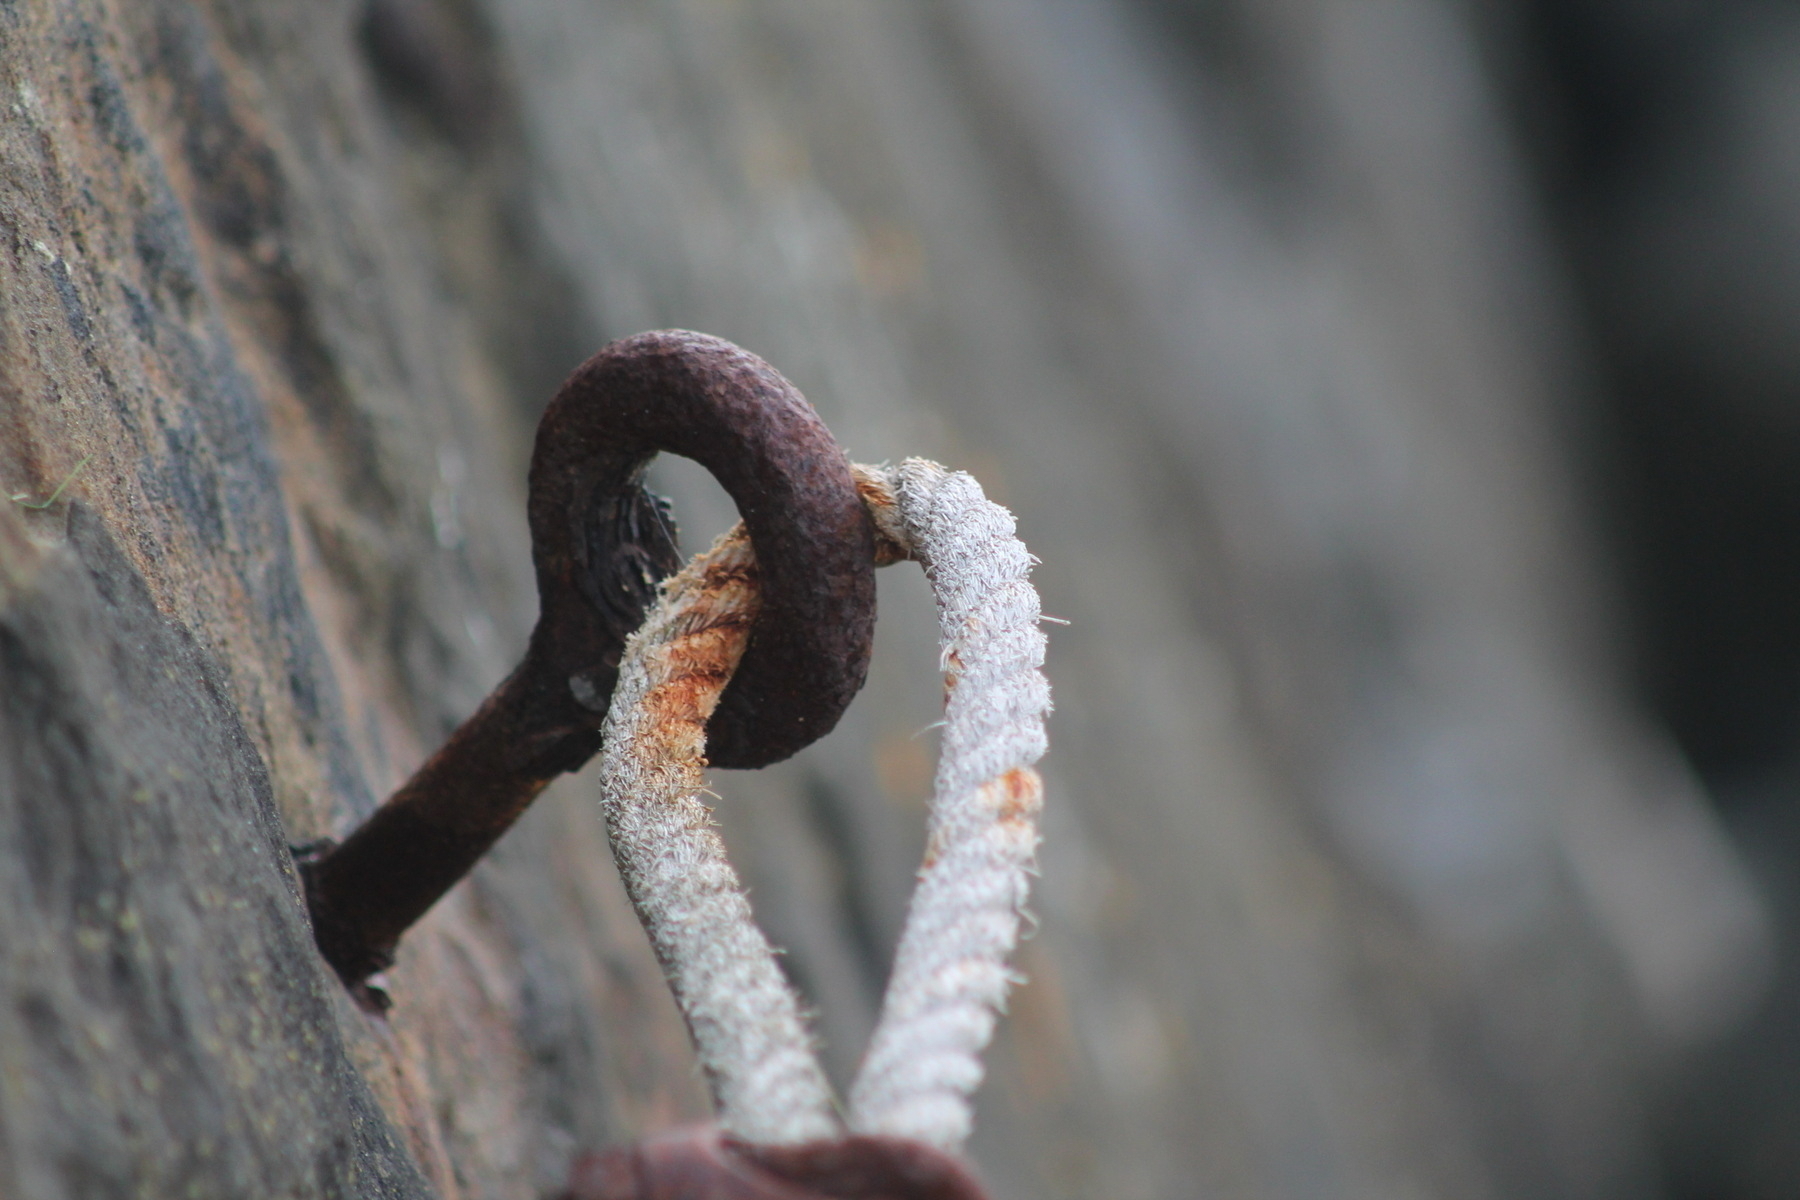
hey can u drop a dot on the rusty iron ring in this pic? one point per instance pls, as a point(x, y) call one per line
point(728, 410)
point(600, 545)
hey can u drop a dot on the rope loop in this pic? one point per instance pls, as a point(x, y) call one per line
point(950, 976)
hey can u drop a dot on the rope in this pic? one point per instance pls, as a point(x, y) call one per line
point(950, 977)
point(766, 1081)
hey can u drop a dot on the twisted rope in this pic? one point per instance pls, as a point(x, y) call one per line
point(950, 977)
point(766, 1080)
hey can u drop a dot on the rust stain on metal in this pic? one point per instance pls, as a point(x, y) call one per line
point(701, 1162)
point(600, 545)
point(723, 407)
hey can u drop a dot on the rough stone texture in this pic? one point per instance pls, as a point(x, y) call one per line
point(166, 1031)
point(1359, 879)
point(303, 519)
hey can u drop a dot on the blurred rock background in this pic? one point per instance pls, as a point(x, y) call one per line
point(1397, 394)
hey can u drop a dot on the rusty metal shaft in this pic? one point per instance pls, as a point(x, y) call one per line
point(600, 545)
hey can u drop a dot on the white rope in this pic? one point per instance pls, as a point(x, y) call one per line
point(765, 1078)
point(950, 977)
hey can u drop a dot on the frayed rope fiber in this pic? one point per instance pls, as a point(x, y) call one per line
point(950, 976)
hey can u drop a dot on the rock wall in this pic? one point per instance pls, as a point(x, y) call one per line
point(1359, 877)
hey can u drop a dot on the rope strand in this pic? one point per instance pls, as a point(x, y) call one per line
point(745, 1019)
point(950, 977)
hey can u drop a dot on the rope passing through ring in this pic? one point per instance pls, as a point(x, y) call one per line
point(909, 1106)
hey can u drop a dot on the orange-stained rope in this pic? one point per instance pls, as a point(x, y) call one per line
point(950, 976)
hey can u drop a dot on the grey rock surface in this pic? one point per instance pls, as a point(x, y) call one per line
point(1359, 877)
